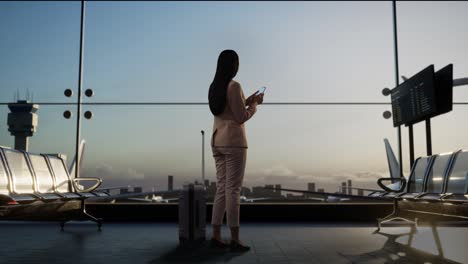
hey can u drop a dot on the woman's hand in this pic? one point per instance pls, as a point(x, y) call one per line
point(259, 98)
point(251, 98)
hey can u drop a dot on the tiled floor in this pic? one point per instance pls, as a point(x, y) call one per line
point(22, 242)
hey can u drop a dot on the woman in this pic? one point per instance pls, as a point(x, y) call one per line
point(229, 145)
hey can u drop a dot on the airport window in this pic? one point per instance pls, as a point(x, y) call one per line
point(44, 179)
point(288, 50)
point(435, 180)
point(149, 65)
point(459, 175)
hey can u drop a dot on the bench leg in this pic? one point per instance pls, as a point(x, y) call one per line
point(395, 216)
point(98, 221)
point(390, 218)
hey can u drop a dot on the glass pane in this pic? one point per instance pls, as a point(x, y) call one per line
point(302, 51)
point(44, 181)
point(21, 174)
point(39, 50)
point(288, 145)
point(53, 133)
point(458, 179)
point(433, 33)
point(448, 134)
point(435, 180)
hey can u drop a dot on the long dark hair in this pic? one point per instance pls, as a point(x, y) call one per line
point(228, 64)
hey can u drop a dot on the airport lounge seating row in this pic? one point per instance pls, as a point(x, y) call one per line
point(437, 186)
point(30, 180)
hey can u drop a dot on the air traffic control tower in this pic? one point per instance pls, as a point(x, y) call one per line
point(22, 122)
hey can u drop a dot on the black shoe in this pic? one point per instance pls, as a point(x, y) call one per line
point(215, 243)
point(238, 247)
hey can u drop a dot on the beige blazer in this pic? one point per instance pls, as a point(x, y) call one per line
point(228, 127)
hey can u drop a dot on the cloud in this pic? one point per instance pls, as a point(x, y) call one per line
point(368, 175)
point(277, 170)
point(110, 172)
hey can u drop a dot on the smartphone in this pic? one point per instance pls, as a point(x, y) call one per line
point(261, 90)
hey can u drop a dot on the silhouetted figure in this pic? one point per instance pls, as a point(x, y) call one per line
point(229, 145)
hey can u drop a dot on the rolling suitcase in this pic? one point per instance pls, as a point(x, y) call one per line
point(192, 214)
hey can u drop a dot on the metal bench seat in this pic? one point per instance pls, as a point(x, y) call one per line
point(437, 185)
point(42, 179)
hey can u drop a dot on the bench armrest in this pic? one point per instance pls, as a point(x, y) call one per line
point(90, 189)
point(402, 187)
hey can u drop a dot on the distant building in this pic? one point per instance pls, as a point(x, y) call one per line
point(311, 186)
point(137, 189)
point(211, 190)
point(170, 183)
point(321, 190)
point(123, 190)
point(213, 185)
point(259, 191)
point(350, 190)
point(207, 183)
point(343, 187)
point(360, 192)
point(22, 122)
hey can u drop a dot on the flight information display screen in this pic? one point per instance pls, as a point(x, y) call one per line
point(414, 100)
point(444, 89)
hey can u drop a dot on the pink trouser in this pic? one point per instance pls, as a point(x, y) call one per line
point(230, 167)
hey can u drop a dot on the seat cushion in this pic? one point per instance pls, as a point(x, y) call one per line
point(377, 194)
point(24, 197)
point(70, 195)
point(87, 194)
point(456, 198)
point(391, 194)
point(101, 193)
point(431, 197)
point(49, 196)
point(409, 196)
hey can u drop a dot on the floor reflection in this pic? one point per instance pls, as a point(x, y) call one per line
point(291, 243)
point(404, 248)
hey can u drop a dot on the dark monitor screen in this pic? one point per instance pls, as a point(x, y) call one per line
point(414, 100)
point(444, 89)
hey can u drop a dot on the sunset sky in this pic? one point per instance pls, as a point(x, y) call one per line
point(167, 52)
